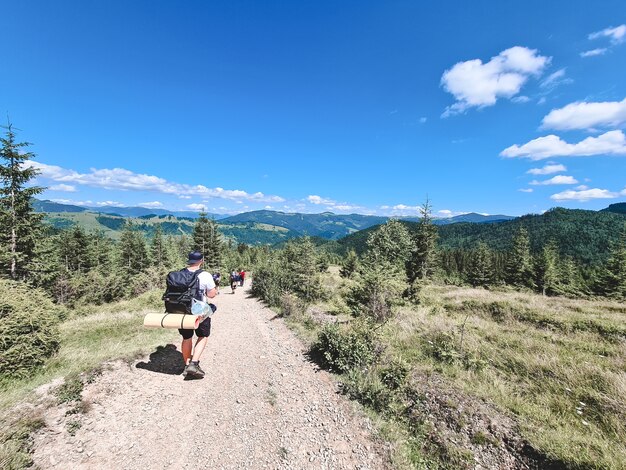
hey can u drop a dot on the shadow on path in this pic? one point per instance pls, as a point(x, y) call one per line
point(165, 360)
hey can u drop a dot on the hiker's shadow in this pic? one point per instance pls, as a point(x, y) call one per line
point(165, 360)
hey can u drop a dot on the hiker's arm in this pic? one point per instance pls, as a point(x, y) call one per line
point(210, 293)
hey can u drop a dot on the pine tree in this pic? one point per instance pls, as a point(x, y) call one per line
point(423, 261)
point(615, 269)
point(158, 250)
point(480, 272)
point(74, 250)
point(207, 240)
point(132, 249)
point(390, 242)
point(214, 255)
point(546, 269)
point(519, 272)
point(350, 264)
point(19, 225)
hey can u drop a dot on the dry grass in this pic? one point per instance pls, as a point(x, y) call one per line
point(557, 364)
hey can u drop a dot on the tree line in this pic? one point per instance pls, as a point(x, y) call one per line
point(76, 266)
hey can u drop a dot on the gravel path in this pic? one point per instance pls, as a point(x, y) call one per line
point(261, 405)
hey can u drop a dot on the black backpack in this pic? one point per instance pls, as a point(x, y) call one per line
point(182, 286)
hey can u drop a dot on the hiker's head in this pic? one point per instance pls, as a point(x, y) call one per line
point(195, 258)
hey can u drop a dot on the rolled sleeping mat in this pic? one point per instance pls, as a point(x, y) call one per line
point(171, 320)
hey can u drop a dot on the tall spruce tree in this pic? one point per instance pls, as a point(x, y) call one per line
point(519, 270)
point(132, 249)
point(207, 240)
point(615, 268)
point(158, 250)
point(19, 224)
point(480, 272)
point(546, 268)
point(422, 263)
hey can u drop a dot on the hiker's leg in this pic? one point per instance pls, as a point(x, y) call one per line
point(199, 349)
point(185, 348)
point(203, 332)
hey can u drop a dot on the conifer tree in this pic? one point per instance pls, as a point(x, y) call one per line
point(519, 272)
point(390, 242)
point(350, 264)
point(207, 240)
point(19, 225)
point(615, 270)
point(74, 250)
point(423, 261)
point(480, 271)
point(132, 248)
point(546, 269)
point(158, 249)
point(214, 255)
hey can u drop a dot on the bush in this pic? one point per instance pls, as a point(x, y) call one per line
point(270, 283)
point(343, 349)
point(28, 328)
point(368, 390)
point(394, 374)
point(290, 305)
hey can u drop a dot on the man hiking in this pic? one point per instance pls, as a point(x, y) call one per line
point(208, 290)
point(242, 277)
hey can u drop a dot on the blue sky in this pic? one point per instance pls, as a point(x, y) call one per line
point(310, 106)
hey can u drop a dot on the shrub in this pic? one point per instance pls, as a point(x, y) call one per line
point(343, 349)
point(270, 283)
point(369, 390)
point(28, 328)
point(290, 305)
point(394, 374)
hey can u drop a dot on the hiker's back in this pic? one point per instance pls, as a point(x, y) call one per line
point(182, 286)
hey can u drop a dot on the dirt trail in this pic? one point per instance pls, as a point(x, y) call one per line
point(261, 405)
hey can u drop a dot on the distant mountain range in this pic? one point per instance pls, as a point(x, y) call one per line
point(263, 226)
point(272, 227)
point(51, 206)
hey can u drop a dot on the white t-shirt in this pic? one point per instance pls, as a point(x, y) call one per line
point(206, 283)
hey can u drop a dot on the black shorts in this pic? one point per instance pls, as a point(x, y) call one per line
point(203, 330)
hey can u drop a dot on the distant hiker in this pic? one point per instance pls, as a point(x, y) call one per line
point(234, 279)
point(202, 287)
point(217, 277)
point(242, 277)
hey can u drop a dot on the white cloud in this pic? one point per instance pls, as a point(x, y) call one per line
point(555, 79)
point(548, 169)
point(520, 99)
point(318, 200)
point(609, 143)
point(584, 195)
point(151, 205)
point(594, 52)
point(617, 34)
point(526, 190)
point(197, 207)
point(68, 188)
point(89, 203)
point(586, 115)
point(477, 84)
point(332, 205)
point(423, 120)
point(122, 179)
point(559, 179)
point(582, 187)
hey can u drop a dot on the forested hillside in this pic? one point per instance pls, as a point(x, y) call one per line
point(581, 234)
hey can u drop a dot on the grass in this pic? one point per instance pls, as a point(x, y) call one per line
point(541, 358)
point(553, 367)
point(90, 337)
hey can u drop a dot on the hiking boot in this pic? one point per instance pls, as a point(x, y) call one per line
point(193, 371)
